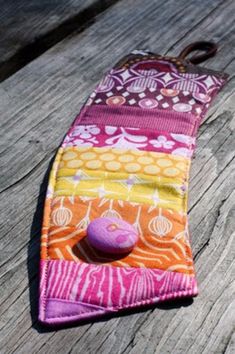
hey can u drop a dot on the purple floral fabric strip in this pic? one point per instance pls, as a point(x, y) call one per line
point(130, 138)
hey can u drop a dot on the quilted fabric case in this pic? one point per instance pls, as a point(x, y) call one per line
point(127, 155)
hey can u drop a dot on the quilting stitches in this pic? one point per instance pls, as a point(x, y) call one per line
point(44, 238)
point(126, 156)
point(138, 80)
point(132, 286)
point(128, 161)
point(129, 138)
point(163, 237)
point(152, 178)
point(76, 310)
point(133, 188)
point(136, 117)
point(166, 99)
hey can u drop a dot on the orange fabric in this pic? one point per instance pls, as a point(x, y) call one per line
point(163, 241)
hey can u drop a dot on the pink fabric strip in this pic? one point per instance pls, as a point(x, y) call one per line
point(92, 288)
point(129, 138)
point(173, 122)
point(137, 80)
point(179, 101)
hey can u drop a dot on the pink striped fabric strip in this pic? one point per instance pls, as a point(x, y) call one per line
point(173, 122)
point(89, 288)
point(68, 280)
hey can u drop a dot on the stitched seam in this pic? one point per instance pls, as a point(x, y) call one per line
point(190, 146)
point(188, 254)
point(187, 264)
point(79, 119)
point(175, 294)
point(47, 243)
point(44, 298)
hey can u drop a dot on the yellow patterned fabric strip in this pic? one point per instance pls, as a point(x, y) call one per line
point(158, 191)
point(127, 161)
point(131, 175)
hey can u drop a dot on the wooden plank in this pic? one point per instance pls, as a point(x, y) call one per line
point(48, 93)
point(29, 28)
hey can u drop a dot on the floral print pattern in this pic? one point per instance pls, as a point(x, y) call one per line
point(129, 138)
point(136, 172)
point(84, 135)
point(162, 141)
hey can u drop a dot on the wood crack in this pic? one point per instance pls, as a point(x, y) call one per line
point(199, 199)
point(30, 172)
point(36, 105)
point(206, 244)
point(214, 154)
point(75, 343)
point(131, 343)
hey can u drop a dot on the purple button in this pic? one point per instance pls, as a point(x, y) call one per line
point(112, 235)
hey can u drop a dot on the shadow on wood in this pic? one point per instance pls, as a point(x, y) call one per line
point(33, 259)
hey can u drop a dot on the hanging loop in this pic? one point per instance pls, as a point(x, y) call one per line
point(209, 49)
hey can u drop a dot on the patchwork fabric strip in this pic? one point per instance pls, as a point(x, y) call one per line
point(163, 238)
point(130, 138)
point(126, 156)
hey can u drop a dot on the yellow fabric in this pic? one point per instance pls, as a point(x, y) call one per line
point(158, 191)
point(127, 161)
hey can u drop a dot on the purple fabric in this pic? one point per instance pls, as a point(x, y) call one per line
point(58, 311)
point(153, 95)
point(112, 235)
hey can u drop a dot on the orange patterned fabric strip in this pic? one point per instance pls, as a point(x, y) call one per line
point(163, 237)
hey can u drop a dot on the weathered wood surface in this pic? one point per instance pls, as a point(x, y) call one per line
point(38, 104)
point(28, 28)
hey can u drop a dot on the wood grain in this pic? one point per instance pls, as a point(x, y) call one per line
point(29, 28)
point(38, 104)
